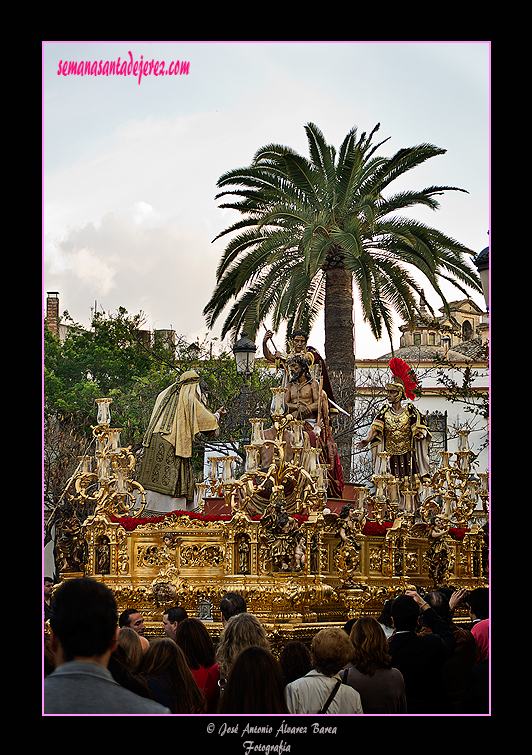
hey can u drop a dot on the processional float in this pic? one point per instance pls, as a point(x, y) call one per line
point(301, 560)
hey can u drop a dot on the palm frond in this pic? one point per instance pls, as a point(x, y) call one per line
point(322, 154)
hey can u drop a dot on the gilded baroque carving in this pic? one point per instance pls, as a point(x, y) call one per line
point(297, 566)
point(375, 559)
point(147, 556)
point(202, 555)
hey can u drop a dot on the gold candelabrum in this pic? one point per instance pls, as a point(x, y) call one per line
point(274, 463)
point(452, 493)
point(104, 482)
point(457, 487)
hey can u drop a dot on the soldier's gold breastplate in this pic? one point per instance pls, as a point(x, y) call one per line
point(397, 433)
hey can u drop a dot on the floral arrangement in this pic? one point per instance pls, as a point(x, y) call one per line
point(374, 528)
point(130, 523)
point(457, 533)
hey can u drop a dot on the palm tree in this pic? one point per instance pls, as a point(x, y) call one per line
point(313, 228)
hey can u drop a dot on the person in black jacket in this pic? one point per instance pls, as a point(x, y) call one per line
point(420, 657)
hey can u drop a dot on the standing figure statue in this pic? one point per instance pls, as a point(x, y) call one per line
point(305, 400)
point(280, 533)
point(301, 553)
point(71, 548)
point(243, 554)
point(346, 556)
point(177, 417)
point(401, 432)
point(439, 558)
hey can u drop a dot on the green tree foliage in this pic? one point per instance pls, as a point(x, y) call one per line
point(109, 360)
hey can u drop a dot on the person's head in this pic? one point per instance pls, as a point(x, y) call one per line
point(165, 658)
point(447, 591)
point(131, 643)
point(255, 684)
point(299, 340)
point(48, 586)
point(386, 614)
point(298, 367)
point(83, 623)
point(132, 618)
point(196, 643)
point(171, 619)
point(371, 650)
point(232, 604)
point(348, 626)
point(405, 613)
point(348, 511)
point(162, 655)
point(190, 377)
point(241, 631)
point(295, 660)
point(331, 650)
point(440, 603)
point(478, 602)
point(393, 395)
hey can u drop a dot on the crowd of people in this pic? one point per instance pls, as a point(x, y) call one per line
point(413, 659)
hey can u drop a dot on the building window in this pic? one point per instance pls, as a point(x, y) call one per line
point(417, 339)
point(432, 339)
point(467, 331)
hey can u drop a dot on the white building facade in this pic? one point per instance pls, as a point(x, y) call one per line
point(449, 357)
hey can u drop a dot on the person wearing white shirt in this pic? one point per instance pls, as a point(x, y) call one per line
point(321, 690)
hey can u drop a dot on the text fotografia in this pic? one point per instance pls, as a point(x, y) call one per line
point(131, 67)
point(251, 746)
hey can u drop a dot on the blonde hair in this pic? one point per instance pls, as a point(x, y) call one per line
point(130, 641)
point(240, 632)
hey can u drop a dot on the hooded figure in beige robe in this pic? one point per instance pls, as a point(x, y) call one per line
point(177, 417)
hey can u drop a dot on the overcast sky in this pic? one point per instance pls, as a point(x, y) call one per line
point(130, 169)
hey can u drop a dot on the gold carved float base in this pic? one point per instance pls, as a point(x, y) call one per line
point(193, 562)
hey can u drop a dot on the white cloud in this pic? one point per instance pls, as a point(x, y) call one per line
point(144, 213)
point(84, 265)
point(124, 261)
point(91, 269)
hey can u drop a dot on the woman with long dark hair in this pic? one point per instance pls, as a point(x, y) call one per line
point(381, 687)
point(169, 678)
point(255, 684)
point(196, 643)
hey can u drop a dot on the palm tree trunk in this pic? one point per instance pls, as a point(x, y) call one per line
point(340, 356)
point(339, 329)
